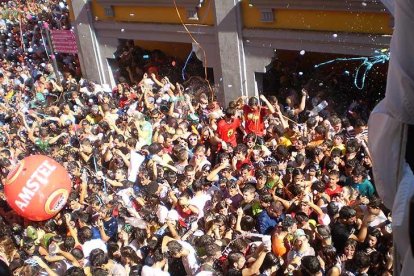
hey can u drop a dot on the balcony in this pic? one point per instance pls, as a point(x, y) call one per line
point(324, 5)
point(190, 5)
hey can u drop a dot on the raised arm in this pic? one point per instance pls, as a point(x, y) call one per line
point(302, 103)
point(268, 104)
point(154, 78)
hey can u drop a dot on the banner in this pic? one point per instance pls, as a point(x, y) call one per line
point(64, 41)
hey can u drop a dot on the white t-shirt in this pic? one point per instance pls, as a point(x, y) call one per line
point(190, 261)
point(200, 201)
point(378, 219)
point(162, 213)
point(88, 246)
point(117, 270)
point(150, 271)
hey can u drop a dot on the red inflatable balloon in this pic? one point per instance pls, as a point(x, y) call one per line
point(37, 188)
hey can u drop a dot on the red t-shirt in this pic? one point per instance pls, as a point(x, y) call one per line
point(239, 164)
point(254, 120)
point(182, 213)
point(227, 131)
point(124, 101)
point(331, 192)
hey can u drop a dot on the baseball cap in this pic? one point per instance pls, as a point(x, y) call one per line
point(299, 233)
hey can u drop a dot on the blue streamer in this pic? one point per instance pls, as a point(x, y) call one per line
point(185, 64)
point(366, 65)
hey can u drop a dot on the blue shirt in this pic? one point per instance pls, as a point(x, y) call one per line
point(111, 227)
point(365, 188)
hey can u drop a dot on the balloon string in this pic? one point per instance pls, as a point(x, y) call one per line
point(202, 20)
point(198, 44)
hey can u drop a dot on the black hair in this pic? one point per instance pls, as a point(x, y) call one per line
point(287, 223)
point(158, 256)
point(112, 247)
point(128, 252)
point(69, 243)
point(239, 245)
point(74, 271)
point(97, 257)
point(320, 129)
point(310, 265)
point(360, 170)
point(249, 188)
point(251, 136)
point(174, 247)
point(336, 152)
point(135, 270)
point(230, 112)
point(311, 122)
point(318, 186)
point(247, 223)
point(233, 258)
point(301, 217)
point(240, 148)
point(347, 212)
point(300, 159)
point(282, 153)
point(374, 202)
point(77, 253)
point(279, 130)
point(97, 271)
point(197, 185)
point(260, 174)
point(266, 198)
point(155, 148)
point(211, 249)
point(324, 231)
point(361, 260)
point(329, 255)
point(85, 234)
point(270, 261)
point(84, 217)
point(253, 101)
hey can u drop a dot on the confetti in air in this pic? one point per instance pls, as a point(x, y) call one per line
point(380, 56)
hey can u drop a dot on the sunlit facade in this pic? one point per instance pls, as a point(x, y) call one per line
point(240, 38)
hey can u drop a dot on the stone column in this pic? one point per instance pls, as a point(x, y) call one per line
point(230, 75)
point(256, 61)
point(92, 63)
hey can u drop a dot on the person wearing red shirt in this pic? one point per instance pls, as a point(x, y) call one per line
point(240, 157)
point(333, 187)
point(127, 98)
point(227, 128)
point(254, 115)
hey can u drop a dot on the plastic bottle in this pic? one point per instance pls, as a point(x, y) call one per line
point(318, 108)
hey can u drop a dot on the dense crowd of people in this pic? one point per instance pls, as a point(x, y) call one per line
point(166, 181)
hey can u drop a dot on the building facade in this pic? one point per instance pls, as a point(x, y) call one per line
point(239, 37)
